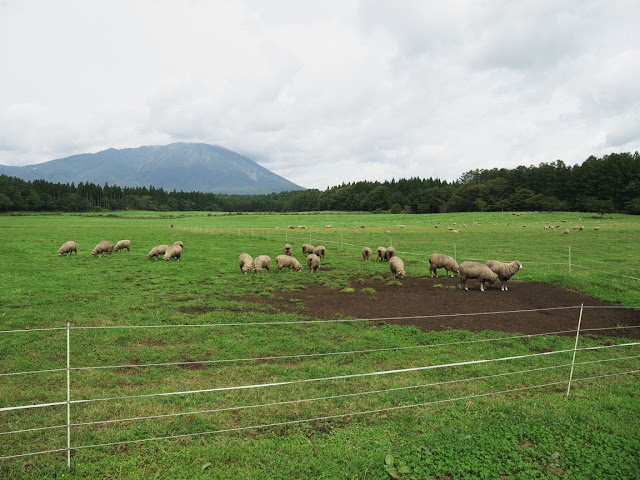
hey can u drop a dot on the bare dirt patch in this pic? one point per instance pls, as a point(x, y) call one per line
point(440, 296)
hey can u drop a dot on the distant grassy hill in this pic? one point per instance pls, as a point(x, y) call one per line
point(180, 166)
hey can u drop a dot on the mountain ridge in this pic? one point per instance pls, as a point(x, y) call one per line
point(176, 166)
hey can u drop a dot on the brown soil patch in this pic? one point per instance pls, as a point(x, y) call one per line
point(418, 297)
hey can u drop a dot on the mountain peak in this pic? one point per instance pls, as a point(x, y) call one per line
point(177, 166)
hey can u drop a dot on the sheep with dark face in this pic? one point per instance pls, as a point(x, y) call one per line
point(380, 251)
point(287, 249)
point(68, 248)
point(262, 262)
point(320, 251)
point(157, 251)
point(366, 253)
point(504, 270)
point(478, 271)
point(439, 260)
point(397, 267)
point(285, 261)
point(307, 249)
point(121, 245)
point(101, 248)
point(246, 263)
point(389, 252)
point(313, 262)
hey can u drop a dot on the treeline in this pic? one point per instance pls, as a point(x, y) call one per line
point(604, 185)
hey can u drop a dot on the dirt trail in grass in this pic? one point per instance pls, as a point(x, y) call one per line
point(440, 296)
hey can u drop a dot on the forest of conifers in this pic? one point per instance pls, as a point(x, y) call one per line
point(602, 185)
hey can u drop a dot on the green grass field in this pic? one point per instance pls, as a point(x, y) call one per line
point(460, 432)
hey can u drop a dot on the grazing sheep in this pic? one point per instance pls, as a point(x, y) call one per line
point(596, 228)
point(380, 251)
point(102, 248)
point(313, 262)
point(122, 244)
point(262, 261)
point(576, 227)
point(389, 252)
point(397, 267)
point(157, 251)
point(363, 226)
point(327, 226)
point(307, 249)
point(478, 271)
point(68, 248)
point(504, 270)
point(302, 227)
point(366, 253)
point(291, 227)
point(286, 261)
point(436, 226)
point(455, 230)
point(581, 227)
point(565, 231)
point(246, 263)
point(440, 260)
point(174, 251)
point(287, 249)
point(387, 231)
point(401, 226)
point(320, 251)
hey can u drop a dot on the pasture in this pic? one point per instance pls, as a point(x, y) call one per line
point(140, 328)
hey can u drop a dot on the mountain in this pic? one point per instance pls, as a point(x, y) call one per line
point(178, 166)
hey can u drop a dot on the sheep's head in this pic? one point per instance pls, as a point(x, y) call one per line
point(246, 268)
point(518, 265)
point(297, 266)
point(400, 274)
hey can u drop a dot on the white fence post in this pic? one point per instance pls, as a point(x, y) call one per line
point(575, 348)
point(68, 398)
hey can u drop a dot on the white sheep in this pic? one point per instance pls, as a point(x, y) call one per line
point(174, 251)
point(155, 252)
point(320, 251)
point(68, 248)
point(122, 244)
point(397, 267)
point(366, 253)
point(287, 249)
point(389, 253)
point(307, 249)
point(504, 270)
point(101, 248)
point(565, 231)
point(285, 261)
point(313, 262)
point(440, 260)
point(262, 261)
point(246, 263)
point(380, 251)
point(478, 271)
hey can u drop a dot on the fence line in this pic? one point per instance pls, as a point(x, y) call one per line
point(319, 379)
point(328, 417)
point(244, 407)
point(69, 402)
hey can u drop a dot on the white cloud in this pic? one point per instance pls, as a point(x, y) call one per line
point(327, 92)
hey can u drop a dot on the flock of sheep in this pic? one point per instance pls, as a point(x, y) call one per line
point(314, 256)
point(488, 273)
point(167, 252)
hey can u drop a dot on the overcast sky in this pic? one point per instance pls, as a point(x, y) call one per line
point(324, 92)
